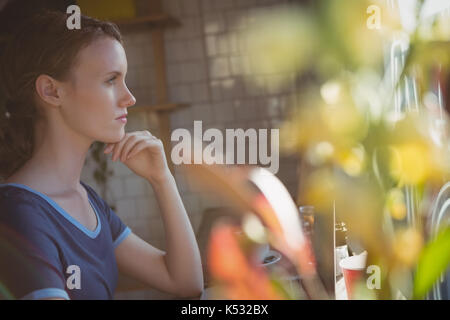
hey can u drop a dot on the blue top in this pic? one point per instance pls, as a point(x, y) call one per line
point(44, 252)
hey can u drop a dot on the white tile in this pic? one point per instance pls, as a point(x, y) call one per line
point(213, 23)
point(232, 88)
point(135, 122)
point(89, 166)
point(192, 204)
point(180, 93)
point(144, 76)
point(245, 109)
point(236, 65)
point(195, 49)
point(142, 229)
point(247, 67)
point(272, 82)
point(115, 186)
point(276, 123)
point(207, 6)
point(223, 111)
point(173, 73)
point(200, 92)
point(129, 39)
point(202, 112)
point(190, 7)
point(170, 51)
point(169, 34)
point(216, 90)
point(184, 117)
point(175, 120)
point(156, 228)
point(219, 68)
point(211, 45)
point(188, 72)
point(236, 20)
point(252, 89)
point(172, 7)
point(192, 27)
point(94, 185)
point(147, 206)
point(148, 55)
point(200, 71)
point(271, 2)
point(120, 170)
point(181, 181)
point(143, 37)
point(242, 42)
point(246, 3)
point(222, 44)
point(131, 54)
point(223, 4)
point(233, 43)
point(210, 200)
point(262, 105)
point(273, 107)
point(262, 124)
point(126, 209)
point(135, 186)
point(147, 96)
point(175, 51)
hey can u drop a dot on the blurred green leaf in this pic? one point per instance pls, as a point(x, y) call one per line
point(434, 260)
point(281, 288)
point(423, 58)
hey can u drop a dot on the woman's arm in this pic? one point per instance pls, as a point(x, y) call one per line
point(183, 256)
point(178, 270)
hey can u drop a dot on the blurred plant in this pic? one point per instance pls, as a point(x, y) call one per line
point(364, 152)
point(256, 192)
point(241, 279)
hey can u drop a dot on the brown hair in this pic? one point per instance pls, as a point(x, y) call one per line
point(41, 45)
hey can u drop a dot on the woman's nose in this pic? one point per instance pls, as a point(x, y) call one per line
point(129, 100)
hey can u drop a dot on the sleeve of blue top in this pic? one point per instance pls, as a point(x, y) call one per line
point(119, 230)
point(29, 262)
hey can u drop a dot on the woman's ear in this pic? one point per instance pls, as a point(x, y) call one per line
point(48, 89)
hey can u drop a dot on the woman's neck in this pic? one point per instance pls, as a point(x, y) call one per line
point(52, 170)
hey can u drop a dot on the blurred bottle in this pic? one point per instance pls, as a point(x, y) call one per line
point(341, 249)
point(307, 218)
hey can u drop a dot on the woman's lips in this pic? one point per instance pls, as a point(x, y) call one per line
point(123, 119)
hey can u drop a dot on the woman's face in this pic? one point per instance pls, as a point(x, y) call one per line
point(96, 93)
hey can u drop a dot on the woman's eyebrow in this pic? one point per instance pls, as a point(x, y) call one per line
point(118, 73)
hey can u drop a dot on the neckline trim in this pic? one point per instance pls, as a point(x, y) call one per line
point(91, 234)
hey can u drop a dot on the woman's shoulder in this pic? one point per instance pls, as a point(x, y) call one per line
point(17, 201)
point(10, 192)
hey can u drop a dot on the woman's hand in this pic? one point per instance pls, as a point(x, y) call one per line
point(143, 153)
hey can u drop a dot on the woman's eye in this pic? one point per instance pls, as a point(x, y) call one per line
point(111, 81)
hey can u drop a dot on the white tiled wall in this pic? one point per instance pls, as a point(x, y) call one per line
point(205, 67)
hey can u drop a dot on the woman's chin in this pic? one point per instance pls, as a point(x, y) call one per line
point(114, 138)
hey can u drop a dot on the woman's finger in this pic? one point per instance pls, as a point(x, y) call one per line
point(138, 147)
point(129, 145)
point(108, 148)
point(118, 147)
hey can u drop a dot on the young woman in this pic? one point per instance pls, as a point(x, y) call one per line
point(63, 90)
